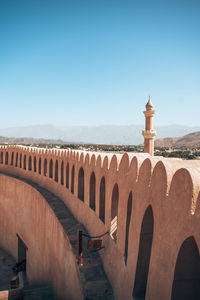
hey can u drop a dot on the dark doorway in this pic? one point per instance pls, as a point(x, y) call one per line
point(22, 249)
point(144, 254)
point(186, 284)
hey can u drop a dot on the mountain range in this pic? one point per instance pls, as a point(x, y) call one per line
point(191, 140)
point(105, 134)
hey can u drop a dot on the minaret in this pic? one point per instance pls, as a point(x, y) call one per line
point(149, 133)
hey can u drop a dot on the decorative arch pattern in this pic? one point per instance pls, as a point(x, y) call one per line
point(153, 183)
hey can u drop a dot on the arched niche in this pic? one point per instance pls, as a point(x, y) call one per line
point(102, 194)
point(72, 180)
point(67, 175)
point(114, 212)
point(81, 184)
point(186, 283)
point(144, 254)
point(62, 173)
point(128, 219)
point(56, 171)
point(51, 169)
point(92, 191)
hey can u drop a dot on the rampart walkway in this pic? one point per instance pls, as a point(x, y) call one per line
point(94, 280)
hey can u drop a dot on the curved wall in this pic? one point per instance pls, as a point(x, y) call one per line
point(50, 259)
point(169, 186)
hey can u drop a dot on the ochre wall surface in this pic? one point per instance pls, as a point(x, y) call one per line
point(168, 187)
point(50, 260)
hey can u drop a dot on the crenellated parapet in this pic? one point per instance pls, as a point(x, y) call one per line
point(124, 194)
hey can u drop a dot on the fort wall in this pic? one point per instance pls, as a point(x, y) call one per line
point(144, 202)
point(50, 260)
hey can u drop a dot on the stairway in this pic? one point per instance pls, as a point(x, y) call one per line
point(94, 280)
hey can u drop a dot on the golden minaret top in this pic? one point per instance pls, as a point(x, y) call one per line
point(149, 105)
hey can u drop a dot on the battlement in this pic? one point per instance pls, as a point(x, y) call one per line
point(31, 159)
point(121, 193)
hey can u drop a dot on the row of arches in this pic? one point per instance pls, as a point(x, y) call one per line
point(186, 282)
point(184, 286)
point(53, 172)
point(92, 192)
point(102, 199)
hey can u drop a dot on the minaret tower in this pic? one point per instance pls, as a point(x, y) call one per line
point(149, 133)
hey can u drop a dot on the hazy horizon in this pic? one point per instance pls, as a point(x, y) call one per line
point(100, 125)
point(117, 134)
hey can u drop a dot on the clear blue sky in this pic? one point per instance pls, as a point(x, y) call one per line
point(93, 62)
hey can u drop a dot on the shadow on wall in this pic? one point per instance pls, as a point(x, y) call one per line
point(114, 212)
point(81, 184)
point(142, 270)
point(128, 220)
point(92, 191)
point(102, 196)
point(186, 284)
point(72, 180)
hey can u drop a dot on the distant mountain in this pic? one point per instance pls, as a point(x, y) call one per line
point(191, 140)
point(107, 134)
point(27, 141)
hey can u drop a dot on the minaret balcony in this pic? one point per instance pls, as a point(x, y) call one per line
point(148, 134)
